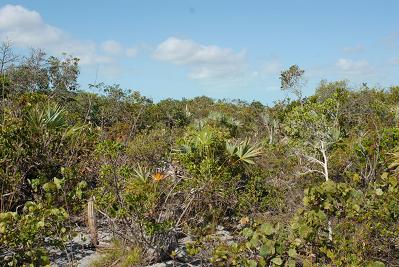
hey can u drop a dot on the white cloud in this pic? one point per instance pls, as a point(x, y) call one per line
point(26, 28)
point(112, 47)
point(131, 52)
point(203, 61)
point(353, 67)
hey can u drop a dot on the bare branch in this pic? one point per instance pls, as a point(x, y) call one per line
point(7, 56)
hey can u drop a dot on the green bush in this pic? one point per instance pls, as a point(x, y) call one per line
point(217, 170)
point(25, 236)
point(263, 244)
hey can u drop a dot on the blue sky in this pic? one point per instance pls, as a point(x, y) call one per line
point(222, 49)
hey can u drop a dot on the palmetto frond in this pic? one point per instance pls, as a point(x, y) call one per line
point(231, 148)
point(224, 119)
point(141, 173)
point(247, 152)
point(203, 138)
point(199, 124)
point(216, 116)
point(50, 118)
point(244, 151)
point(54, 117)
point(234, 122)
point(74, 131)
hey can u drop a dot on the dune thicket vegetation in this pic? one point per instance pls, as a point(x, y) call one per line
point(308, 181)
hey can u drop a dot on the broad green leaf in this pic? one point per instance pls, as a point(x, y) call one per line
point(262, 262)
point(58, 182)
point(254, 240)
point(247, 232)
point(356, 207)
point(304, 231)
point(267, 229)
point(267, 249)
point(379, 192)
point(252, 263)
point(292, 253)
point(278, 261)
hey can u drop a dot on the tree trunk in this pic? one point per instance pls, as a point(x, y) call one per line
point(330, 232)
point(91, 221)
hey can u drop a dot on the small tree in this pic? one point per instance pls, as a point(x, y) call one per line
point(7, 59)
point(31, 74)
point(293, 80)
point(313, 129)
point(7, 56)
point(63, 72)
point(271, 125)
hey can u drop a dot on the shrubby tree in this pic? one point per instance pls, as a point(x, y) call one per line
point(161, 170)
point(313, 128)
point(293, 80)
point(63, 73)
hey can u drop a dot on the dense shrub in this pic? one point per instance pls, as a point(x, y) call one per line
point(26, 235)
point(312, 179)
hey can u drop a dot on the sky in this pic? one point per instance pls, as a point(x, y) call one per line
point(222, 49)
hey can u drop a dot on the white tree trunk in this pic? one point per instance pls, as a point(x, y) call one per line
point(330, 231)
point(325, 167)
point(325, 160)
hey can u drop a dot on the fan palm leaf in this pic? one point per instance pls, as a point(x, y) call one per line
point(247, 152)
point(50, 118)
point(244, 151)
point(141, 173)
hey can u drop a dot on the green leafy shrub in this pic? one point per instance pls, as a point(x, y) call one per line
point(364, 223)
point(133, 196)
point(262, 245)
point(260, 196)
point(152, 147)
point(36, 145)
point(216, 169)
point(25, 236)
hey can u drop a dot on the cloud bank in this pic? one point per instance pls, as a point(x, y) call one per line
point(353, 67)
point(26, 28)
point(202, 61)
